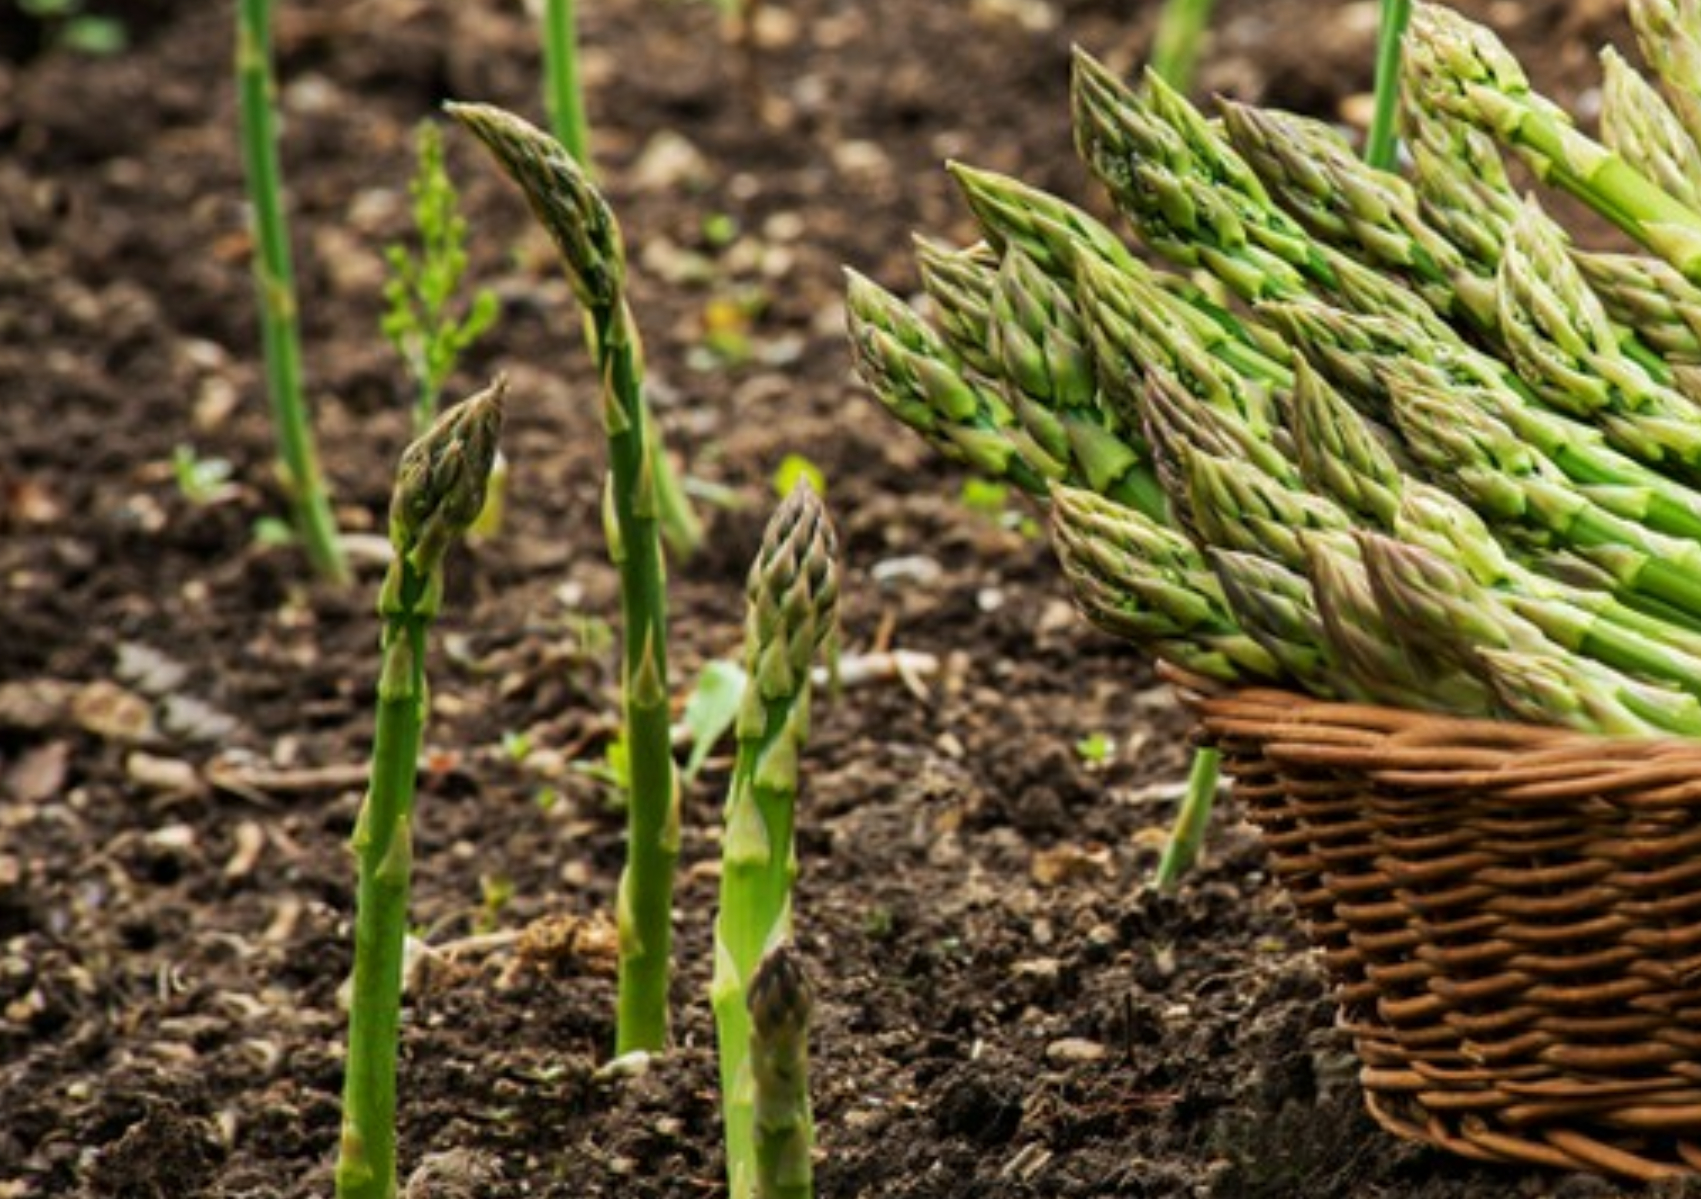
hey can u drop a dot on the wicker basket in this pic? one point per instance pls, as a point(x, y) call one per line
point(1511, 917)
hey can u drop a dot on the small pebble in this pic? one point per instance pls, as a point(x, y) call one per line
point(1074, 1051)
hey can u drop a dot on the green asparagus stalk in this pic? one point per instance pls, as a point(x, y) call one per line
point(1036, 336)
point(1437, 602)
point(1065, 240)
point(1236, 506)
point(1278, 610)
point(563, 95)
point(1187, 835)
point(1182, 26)
point(274, 281)
point(960, 283)
point(1649, 296)
point(1669, 34)
point(1463, 69)
point(1640, 126)
point(1460, 180)
point(1364, 356)
point(1563, 342)
point(1370, 214)
point(921, 382)
point(1143, 582)
point(439, 491)
point(780, 1003)
point(1341, 453)
point(583, 228)
point(792, 613)
point(1197, 202)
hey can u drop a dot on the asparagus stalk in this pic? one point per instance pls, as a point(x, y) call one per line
point(960, 283)
point(563, 95)
point(780, 1003)
point(918, 379)
point(1563, 342)
point(1669, 34)
point(1181, 850)
point(792, 612)
point(274, 282)
point(585, 233)
point(1198, 203)
point(1037, 337)
point(439, 491)
point(1462, 69)
point(1143, 582)
point(1649, 296)
point(1278, 609)
point(1182, 25)
point(1369, 213)
point(1437, 603)
point(1640, 126)
point(1064, 240)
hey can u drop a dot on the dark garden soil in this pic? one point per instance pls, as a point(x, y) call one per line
point(1004, 1008)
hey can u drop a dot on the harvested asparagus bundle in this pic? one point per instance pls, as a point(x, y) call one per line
point(1445, 460)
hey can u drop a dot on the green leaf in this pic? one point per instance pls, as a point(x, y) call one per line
point(1094, 748)
point(711, 710)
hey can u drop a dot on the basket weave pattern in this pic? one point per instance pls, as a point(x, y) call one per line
point(1511, 917)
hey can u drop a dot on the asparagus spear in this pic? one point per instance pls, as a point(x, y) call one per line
point(274, 284)
point(585, 233)
point(1037, 337)
point(1640, 126)
point(780, 1003)
point(960, 283)
point(1371, 214)
point(1064, 240)
point(1197, 202)
point(1143, 582)
point(1461, 68)
point(1563, 342)
point(1278, 609)
point(1436, 603)
point(922, 383)
point(792, 612)
point(440, 489)
point(1649, 296)
point(1669, 34)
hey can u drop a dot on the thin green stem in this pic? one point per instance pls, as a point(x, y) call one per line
point(565, 98)
point(1382, 141)
point(1180, 35)
point(366, 1168)
point(652, 848)
point(275, 285)
point(1182, 849)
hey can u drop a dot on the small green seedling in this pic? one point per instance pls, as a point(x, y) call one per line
point(424, 317)
point(201, 481)
point(70, 26)
point(711, 710)
point(1095, 749)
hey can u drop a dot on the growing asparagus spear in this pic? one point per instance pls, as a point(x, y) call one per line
point(274, 281)
point(1638, 124)
point(792, 612)
point(585, 233)
point(439, 491)
point(1461, 68)
point(780, 1002)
